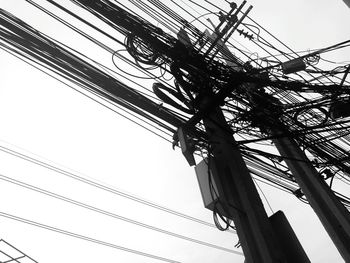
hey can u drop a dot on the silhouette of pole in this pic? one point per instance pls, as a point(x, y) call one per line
point(331, 212)
point(244, 204)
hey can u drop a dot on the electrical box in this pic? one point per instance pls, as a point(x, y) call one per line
point(208, 187)
point(293, 66)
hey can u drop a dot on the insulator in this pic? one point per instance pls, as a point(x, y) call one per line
point(222, 17)
point(233, 5)
point(245, 34)
point(293, 66)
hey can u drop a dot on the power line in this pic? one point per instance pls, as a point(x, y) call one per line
point(94, 40)
point(86, 238)
point(127, 105)
point(102, 186)
point(113, 215)
point(5, 48)
point(72, 68)
point(342, 152)
point(261, 191)
point(201, 6)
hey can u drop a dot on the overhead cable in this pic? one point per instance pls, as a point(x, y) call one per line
point(102, 186)
point(86, 238)
point(94, 98)
point(113, 215)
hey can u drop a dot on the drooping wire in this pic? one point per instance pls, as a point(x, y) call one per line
point(86, 238)
point(113, 215)
point(262, 192)
point(101, 186)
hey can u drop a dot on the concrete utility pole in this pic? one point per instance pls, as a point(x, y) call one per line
point(331, 212)
point(236, 185)
point(258, 238)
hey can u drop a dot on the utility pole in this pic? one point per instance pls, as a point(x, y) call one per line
point(235, 183)
point(245, 206)
point(258, 238)
point(331, 212)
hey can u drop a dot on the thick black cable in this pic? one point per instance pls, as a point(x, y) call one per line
point(94, 40)
point(171, 13)
point(157, 16)
point(76, 75)
point(191, 14)
point(99, 102)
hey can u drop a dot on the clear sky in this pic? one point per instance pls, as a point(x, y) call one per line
point(49, 121)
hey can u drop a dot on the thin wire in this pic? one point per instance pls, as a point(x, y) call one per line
point(261, 191)
point(135, 65)
point(199, 5)
point(278, 40)
point(209, 2)
point(113, 215)
point(109, 97)
point(95, 100)
point(23, 255)
point(157, 16)
point(94, 40)
point(193, 9)
point(323, 148)
point(190, 13)
point(101, 185)
point(86, 238)
point(272, 185)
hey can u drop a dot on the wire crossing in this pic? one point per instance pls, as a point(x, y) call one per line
point(113, 215)
point(101, 186)
point(86, 238)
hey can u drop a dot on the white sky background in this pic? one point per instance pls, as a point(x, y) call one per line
point(48, 119)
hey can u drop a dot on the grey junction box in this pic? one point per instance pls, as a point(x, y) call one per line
point(211, 198)
point(202, 173)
